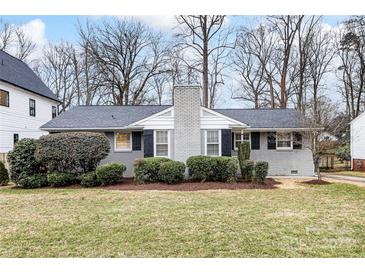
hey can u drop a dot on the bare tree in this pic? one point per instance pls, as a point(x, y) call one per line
point(199, 33)
point(327, 112)
point(127, 55)
point(252, 61)
point(286, 28)
point(351, 50)
point(57, 71)
point(25, 46)
point(5, 35)
point(307, 31)
point(321, 53)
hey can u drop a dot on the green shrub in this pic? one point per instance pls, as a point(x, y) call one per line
point(247, 167)
point(171, 172)
point(4, 175)
point(22, 161)
point(89, 179)
point(212, 168)
point(244, 151)
point(72, 151)
point(224, 169)
point(200, 167)
point(110, 173)
point(58, 179)
point(33, 181)
point(261, 171)
point(147, 170)
point(343, 153)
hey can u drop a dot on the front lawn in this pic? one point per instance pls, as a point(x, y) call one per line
point(309, 221)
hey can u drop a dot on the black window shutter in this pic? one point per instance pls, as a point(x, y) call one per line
point(271, 140)
point(136, 140)
point(255, 140)
point(297, 142)
point(232, 140)
point(226, 142)
point(148, 143)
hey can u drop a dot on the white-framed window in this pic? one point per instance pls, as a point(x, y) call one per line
point(284, 140)
point(161, 146)
point(212, 143)
point(122, 141)
point(239, 137)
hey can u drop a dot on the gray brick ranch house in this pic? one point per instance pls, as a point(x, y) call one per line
point(186, 128)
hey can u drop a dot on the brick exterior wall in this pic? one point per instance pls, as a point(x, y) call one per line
point(187, 139)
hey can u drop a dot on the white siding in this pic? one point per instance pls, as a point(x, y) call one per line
point(16, 118)
point(358, 137)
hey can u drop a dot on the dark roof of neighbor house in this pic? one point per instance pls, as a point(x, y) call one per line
point(265, 118)
point(18, 73)
point(95, 117)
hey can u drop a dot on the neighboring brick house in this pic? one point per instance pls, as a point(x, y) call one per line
point(186, 129)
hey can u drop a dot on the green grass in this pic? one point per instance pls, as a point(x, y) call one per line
point(351, 173)
point(317, 221)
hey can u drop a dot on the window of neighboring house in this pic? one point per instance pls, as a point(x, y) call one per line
point(284, 140)
point(4, 98)
point(161, 143)
point(54, 112)
point(212, 143)
point(297, 140)
point(239, 138)
point(122, 141)
point(32, 107)
point(15, 138)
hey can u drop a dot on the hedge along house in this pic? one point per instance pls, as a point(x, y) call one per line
point(186, 129)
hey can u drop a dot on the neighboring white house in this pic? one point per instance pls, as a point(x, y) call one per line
point(357, 132)
point(26, 103)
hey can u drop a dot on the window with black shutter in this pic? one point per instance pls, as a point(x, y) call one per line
point(297, 140)
point(271, 140)
point(136, 140)
point(255, 140)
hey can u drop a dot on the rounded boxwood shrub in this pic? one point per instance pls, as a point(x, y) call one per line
point(33, 181)
point(200, 167)
point(72, 151)
point(224, 169)
point(261, 171)
point(4, 175)
point(147, 170)
point(22, 161)
point(204, 168)
point(89, 179)
point(247, 168)
point(110, 173)
point(171, 172)
point(58, 179)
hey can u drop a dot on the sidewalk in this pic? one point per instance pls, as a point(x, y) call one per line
point(344, 177)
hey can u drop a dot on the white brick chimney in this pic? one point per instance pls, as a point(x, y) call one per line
point(187, 139)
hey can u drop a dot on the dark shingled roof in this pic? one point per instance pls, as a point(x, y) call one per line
point(95, 117)
point(17, 73)
point(265, 118)
point(84, 117)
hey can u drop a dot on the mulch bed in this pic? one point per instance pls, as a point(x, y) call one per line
point(129, 184)
point(316, 182)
